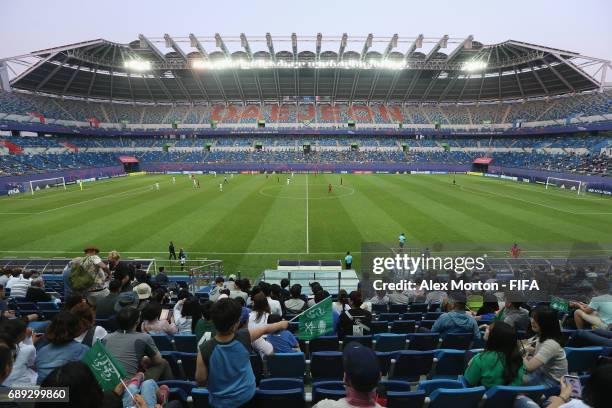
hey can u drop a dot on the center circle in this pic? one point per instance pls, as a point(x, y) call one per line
point(298, 191)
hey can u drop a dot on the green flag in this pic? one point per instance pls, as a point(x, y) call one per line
point(104, 367)
point(559, 304)
point(317, 321)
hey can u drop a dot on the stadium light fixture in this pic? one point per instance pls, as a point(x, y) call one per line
point(473, 66)
point(138, 65)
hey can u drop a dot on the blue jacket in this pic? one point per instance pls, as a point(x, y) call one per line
point(456, 322)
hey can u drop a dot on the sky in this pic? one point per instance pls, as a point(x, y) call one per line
point(581, 26)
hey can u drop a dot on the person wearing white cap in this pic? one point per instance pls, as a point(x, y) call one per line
point(143, 291)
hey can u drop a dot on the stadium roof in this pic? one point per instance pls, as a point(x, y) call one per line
point(262, 69)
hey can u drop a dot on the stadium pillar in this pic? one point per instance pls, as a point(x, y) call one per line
point(5, 85)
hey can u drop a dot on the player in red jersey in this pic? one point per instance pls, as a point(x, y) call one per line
point(515, 251)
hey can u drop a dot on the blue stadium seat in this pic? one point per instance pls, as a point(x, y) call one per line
point(430, 386)
point(256, 366)
point(410, 365)
point(405, 399)
point(379, 326)
point(396, 385)
point(416, 316)
point(418, 307)
point(390, 342)
point(378, 309)
point(186, 343)
point(423, 341)
point(327, 390)
point(449, 364)
point(286, 365)
point(109, 324)
point(324, 343)
point(48, 306)
point(403, 326)
point(163, 342)
point(200, 398)
point(177, 371)
point(428, 324)
point(502, 396)
point(364, 340)
point(456, 398)
point(326, 365)
point(398, 308)
point(384, 360)
point(432, 315)
point(280, 383)
point(582, 359)
point(388, 316)
point(459, 341)
point(188, 362)
point(293, 397)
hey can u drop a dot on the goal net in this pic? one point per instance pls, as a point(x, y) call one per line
point(573, 185)
point(47, 184)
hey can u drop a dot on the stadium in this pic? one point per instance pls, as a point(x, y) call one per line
point(292, 161)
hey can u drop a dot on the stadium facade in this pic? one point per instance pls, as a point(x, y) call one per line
point(255, 103)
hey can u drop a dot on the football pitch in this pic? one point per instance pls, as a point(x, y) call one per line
point(257, 220)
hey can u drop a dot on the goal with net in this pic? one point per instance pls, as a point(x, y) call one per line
point(46, 184)
point(567, 184)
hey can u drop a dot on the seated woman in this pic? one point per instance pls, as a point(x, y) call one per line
point(151, 322)
point(296, 304)
point(500, 363)
point(186, 314)
point(261, 311)
point(62, 347)
point(23, 373)
point(89, 333)
point(549, 362)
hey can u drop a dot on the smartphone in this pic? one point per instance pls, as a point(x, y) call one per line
point(165, 313)
point(574, 382)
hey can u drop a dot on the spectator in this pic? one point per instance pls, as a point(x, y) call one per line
point(500, 363)
point(89, 333)
point(19, 284)
point(516, 316)
point(598, 313)
point(284, 284)
point(223, 363)
point(275, 306)
point(23, 372)
point(342, 303)
point(113, 260)
point(215, 291)
point(143, 290)
point(595, 393)
point(231, 280)
point(132, 349)
point(151, 322)
point(240, 288)
point(361, 377)
point(36, 293)
point(283, 341)
point(295, 304)
point(99, 272)
point(276, 295)
point(586, 338)
point(62, 347)
point(6, 366)
point(106, 306)
point(260, 313)
point(161, 278)
point(456, 320)
point(381, 298)
point(398, 298)
point(549, 362)
point(186, 315)
point(5, 276)
point(355, 321)
point(126, 299)
point(205, 327)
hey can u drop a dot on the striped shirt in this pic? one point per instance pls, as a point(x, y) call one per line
point(19, 286)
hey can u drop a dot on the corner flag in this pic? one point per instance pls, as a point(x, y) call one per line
point(104, 367)
point(317, 320)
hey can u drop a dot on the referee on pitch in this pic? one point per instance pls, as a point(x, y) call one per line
point(171, 251)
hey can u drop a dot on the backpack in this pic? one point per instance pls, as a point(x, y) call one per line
point(82, 274)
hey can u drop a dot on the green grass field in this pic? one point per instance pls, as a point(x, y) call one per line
point(257, 220)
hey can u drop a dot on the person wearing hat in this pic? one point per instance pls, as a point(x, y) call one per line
point(216, 290)
point(101, 276)
point(457, 320)
point(361, 377)
point(143, 291)
point(126, 299)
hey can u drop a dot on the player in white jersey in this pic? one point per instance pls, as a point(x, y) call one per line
point(157, 185)
point(288, 180)
point(195, 183)
point(173, 180)
point(220, 186)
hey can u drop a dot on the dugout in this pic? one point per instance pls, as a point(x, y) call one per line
point(481, 164)
point(130, 164)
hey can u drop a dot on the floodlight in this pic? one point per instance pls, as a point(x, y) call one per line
point(138, 65)
point(472, 66)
